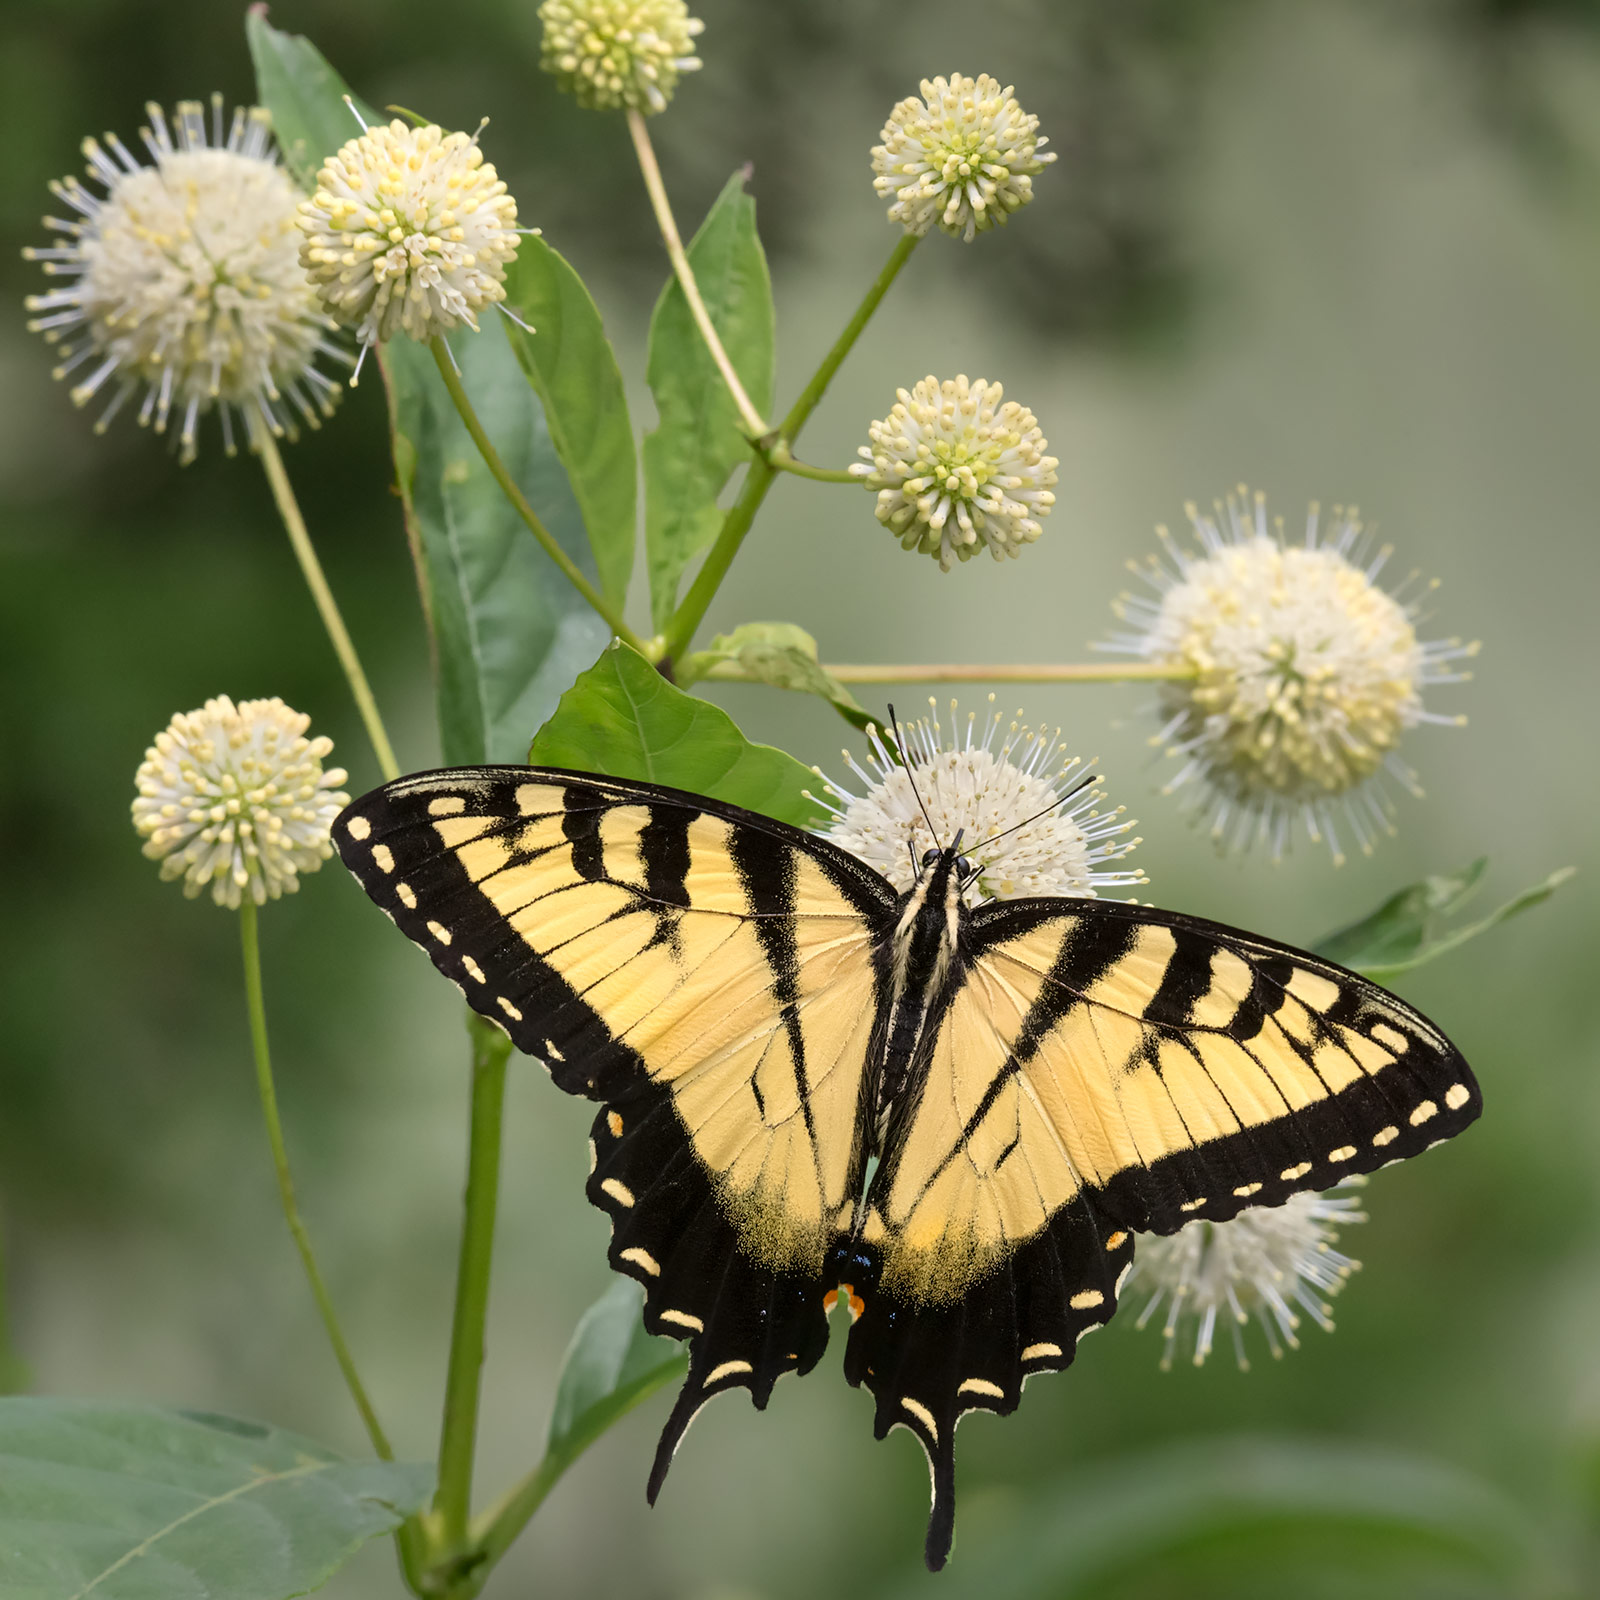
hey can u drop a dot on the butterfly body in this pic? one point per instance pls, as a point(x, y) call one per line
point(923, 950)
point(815, 1087)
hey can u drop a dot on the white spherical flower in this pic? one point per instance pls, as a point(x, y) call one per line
point(1268, 1264)
point(1305, 673)
point(236, 797)
point(1030, 817)
point(188, 280)
point(955, 463)
point(615, 53)
point(409, 229)
point(964, 156)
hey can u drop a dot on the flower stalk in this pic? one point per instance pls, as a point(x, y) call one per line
point(779, 456)
point(327, 607)
point(459, 1432)
point(755, 423)
point(510, 488)
point(811, 395)
point(691, 612)
point(250, 943)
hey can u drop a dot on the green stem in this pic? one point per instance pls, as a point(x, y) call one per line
point(690, 614)
point(497, 1529)
point(459, 1434)
point(501, 1525)
point(680, 630)
point(791, 425)
point(519, 502)
point(266, 447)
point(779, 456)
point(986, 672)
point(679, 257)
point(250, 942)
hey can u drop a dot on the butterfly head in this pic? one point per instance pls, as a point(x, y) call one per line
point(949, 863)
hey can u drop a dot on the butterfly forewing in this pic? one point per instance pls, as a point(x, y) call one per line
point(713, 984)
point(1201, 1070)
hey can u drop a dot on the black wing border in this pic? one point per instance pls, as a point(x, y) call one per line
point(876, 889)
point(1182, 1186)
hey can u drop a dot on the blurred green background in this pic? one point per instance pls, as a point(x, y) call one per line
point(1339, 250)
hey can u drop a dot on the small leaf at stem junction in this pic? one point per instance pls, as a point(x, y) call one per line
point(776, 653)
point(611, 1365)
point(1404, 932)
point(623, 719)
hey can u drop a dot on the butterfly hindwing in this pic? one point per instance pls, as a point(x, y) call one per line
point(983, 1258)
point(706, 973)
point(1101, 1069)
point(928, 1363)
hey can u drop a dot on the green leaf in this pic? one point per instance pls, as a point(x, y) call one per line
point(296, 84)
point(777, 653)
point(623, 719)
point(1404, 932)
point(573, 370)
point(1268, 1510)
point(511, 632)
point(611, 1365)
point(142, 1503)
point(700, 440)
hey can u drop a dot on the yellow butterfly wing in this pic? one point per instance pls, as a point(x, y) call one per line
point(1103, 1070)
point(708, 974)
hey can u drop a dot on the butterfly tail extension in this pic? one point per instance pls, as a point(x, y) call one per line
point(746, 1324)
point(927, 1365)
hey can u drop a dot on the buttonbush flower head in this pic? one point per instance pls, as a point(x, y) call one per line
point(409, 230)
point(1268, 1264)
point(955, 463)
point(236, 797)
point(1306, 672)
point(1031, 818)
point(619, 53)
point(964, 156)
point(188, 283)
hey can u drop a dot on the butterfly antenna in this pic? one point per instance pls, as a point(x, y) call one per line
point(905, 761)
point(1059, 801)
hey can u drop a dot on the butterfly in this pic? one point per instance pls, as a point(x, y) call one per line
point(815, 1088)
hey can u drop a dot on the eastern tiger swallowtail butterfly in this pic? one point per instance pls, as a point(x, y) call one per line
point(766, 1021)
